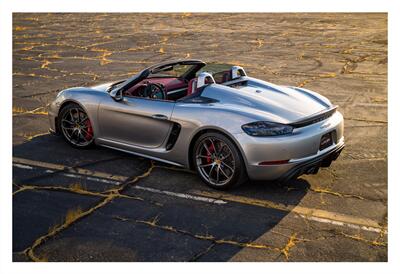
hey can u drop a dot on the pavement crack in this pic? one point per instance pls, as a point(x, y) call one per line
point(197, 256)
point(362, 239)
point(320, 76)
point(293, 240)
point(379, 242)
point(351, 64)
point(154, 223)
point(21, 111)
point(334, 193)
point(73, 216)
point(366, 120)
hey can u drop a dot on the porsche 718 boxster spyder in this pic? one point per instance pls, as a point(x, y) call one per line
point(227, 126)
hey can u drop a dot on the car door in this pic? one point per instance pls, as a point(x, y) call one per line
point(135, 121)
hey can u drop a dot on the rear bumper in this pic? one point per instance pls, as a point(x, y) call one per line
point(311, 166)
point(297, 167)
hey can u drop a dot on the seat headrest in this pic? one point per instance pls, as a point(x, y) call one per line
point(204, 79)
point(192, 86)
point(237, 72)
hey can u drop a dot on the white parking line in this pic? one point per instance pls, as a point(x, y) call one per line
point(71, 175)
point(67, 169)
point(182, 195)
point(338, 223)
point(22, 166)
point(90, 178)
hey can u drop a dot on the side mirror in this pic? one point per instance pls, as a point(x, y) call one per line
point(116, 94)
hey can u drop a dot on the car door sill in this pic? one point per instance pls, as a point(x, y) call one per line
point(102, 143)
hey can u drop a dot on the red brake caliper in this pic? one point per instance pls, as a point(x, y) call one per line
point(89, 134)
point(209, 152)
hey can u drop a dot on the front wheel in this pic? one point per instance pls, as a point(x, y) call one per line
point(218, 161)
point(75, 126)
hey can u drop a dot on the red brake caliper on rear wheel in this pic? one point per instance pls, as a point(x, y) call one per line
point(89, 134)
point(209, 152)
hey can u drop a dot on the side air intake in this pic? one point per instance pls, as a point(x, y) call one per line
point(173, 136)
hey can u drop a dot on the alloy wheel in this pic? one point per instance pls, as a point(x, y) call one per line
point(215, 161)
point(76, 127)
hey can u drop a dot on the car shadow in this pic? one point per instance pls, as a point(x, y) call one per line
point(239, 222)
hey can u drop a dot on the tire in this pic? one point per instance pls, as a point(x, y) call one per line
point(75, 126)
point(218, 161)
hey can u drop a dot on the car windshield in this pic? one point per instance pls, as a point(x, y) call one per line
point(176, 70)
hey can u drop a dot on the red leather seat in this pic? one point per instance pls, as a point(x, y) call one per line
point(227, 76)
point(222, 76)
point(192, 86)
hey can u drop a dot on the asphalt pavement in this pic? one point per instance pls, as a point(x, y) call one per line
point(101, 205)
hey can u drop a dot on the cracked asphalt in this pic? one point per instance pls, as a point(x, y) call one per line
point(101, 205)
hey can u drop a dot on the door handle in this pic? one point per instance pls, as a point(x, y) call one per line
point(159, 117)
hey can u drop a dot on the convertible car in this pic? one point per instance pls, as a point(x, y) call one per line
point(227, 126)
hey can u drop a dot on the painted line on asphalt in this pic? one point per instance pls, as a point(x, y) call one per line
point(73, 170)
point(148, 189)
point(338, 223)
point(313, 214)
point(23, 166)
point(70, 175)
point(182, 195)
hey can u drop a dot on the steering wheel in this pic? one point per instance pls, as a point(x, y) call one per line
point(155, 91)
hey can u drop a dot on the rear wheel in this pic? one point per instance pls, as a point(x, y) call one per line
point(218, 161)
point(75, 126)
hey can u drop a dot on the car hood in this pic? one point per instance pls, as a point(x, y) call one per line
point(268, 101)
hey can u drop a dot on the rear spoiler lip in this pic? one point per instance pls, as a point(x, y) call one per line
point(315, 118)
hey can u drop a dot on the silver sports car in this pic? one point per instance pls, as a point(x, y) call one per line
point(215, 119)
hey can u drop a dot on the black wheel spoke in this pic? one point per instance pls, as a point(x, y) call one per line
point(209, 173)
point(228, 166)
point(206, 165)
point(84, 131)
point(213, 146)
point(67, 121)
point(225, 157)
point(221, 148)
point(82, 136)
point(223, 172)
point(83, 120)
point(205, 146)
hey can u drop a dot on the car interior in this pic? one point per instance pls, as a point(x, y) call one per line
point(174, 82)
